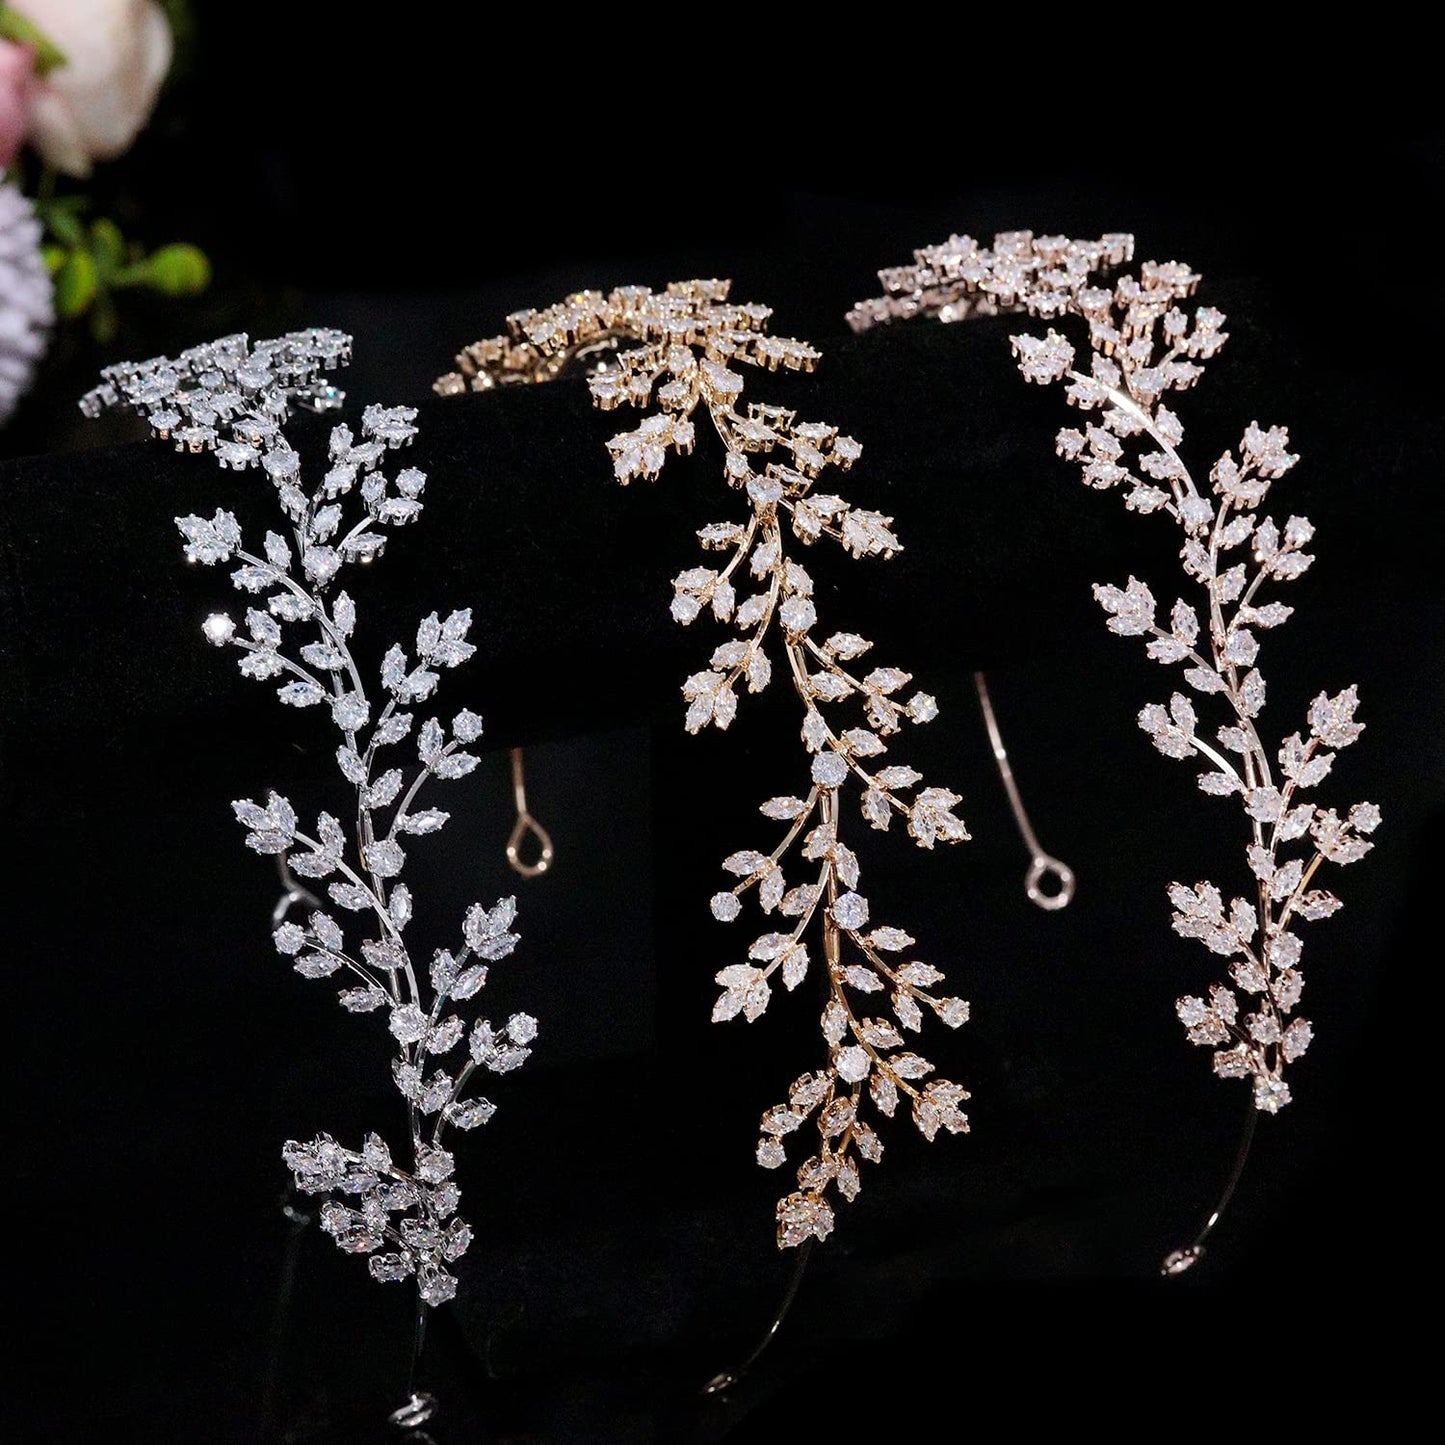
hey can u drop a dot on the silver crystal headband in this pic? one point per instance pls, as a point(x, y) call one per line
point(233, 399)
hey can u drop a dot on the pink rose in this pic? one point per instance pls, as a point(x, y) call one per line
point(117, 53)
point(17, 91)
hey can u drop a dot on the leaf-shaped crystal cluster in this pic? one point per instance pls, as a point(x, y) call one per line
point(682, 357)
point(1144, 345)
point(230, 383)
point(298, 635)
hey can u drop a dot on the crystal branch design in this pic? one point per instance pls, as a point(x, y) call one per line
point(1143, 346)
point(401, 1214)
point(682, 357)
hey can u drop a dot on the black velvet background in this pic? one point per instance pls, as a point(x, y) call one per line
point(624, 1236)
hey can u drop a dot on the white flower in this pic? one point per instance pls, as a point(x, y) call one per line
point(117, 53)
point(25, 301)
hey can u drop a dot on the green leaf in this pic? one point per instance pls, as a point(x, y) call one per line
point(15, 27)
point(108, 246)
point(75, 284)
point(64, 225)
point(54, 257)
point(179, 269)
point(104, 322)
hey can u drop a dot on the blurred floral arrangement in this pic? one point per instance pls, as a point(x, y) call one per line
point(78, 82)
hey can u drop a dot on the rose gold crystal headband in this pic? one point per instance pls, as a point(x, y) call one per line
point(683, 355)
point(1142, 346)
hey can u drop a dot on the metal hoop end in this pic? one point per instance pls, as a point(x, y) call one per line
point(524, 825)
point(1179, 1261)
point(1045, 867)
point(420, 1408)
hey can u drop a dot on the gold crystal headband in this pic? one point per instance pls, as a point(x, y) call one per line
point(1143, 346)
point(682, 356)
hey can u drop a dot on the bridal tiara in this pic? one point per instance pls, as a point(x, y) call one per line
point(1143, 346)
point(683, 356)
point(233, 399)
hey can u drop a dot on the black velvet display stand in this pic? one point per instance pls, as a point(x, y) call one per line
point(624, 1236)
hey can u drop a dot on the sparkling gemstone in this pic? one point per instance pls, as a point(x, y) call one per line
point(771, 1153)
point(219, 629)
point(953, 1011)
point(725, 907)
point(435, 1286)
point(850, 911)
